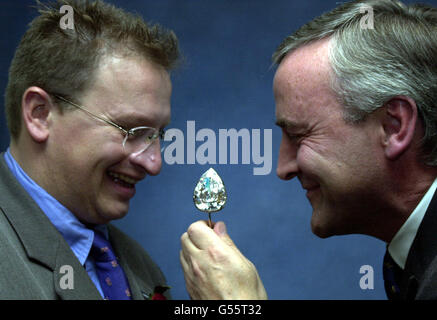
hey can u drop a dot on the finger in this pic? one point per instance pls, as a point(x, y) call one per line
point(220, 228)
point(187, 276)
point(201, 235)
point(187, 269)
point(184, 263)
point(191, 268)
point(221, 231)
point(188, 248)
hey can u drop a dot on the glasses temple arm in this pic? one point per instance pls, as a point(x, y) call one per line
point(93, 115)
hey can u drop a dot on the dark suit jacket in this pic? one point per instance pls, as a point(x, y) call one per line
point(419, 279)
point(32, 253)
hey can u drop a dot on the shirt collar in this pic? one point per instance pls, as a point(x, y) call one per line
point(76, 234)
point(400, 245)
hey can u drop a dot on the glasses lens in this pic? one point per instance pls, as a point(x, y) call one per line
point(141, 138)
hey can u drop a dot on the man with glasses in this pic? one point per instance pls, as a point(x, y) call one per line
point(86, 110)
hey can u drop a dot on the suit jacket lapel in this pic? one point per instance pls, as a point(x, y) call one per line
point(40, 239)
point(68, 265)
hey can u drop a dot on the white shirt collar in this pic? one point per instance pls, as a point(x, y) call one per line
point(400, 245)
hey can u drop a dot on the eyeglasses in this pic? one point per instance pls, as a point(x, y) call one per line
point(136, 140)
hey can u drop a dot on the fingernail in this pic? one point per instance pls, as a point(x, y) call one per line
point(221, 228)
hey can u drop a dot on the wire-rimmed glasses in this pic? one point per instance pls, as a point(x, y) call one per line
point(136, 140)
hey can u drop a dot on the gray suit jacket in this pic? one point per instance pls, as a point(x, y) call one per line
point(33, 252)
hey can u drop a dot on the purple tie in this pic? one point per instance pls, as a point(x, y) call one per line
point(111, 276)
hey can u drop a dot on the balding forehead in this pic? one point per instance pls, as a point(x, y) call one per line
point(309, 63)
point(307, 58)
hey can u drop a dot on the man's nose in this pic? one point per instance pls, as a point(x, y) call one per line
point(149, 160)
point(287, 161)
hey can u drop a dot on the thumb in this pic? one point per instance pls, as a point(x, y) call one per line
point(220, 230)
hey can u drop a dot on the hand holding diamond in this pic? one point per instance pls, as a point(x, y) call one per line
point(213, 266)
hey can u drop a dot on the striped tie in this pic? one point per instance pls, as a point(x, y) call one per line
point(111, 276)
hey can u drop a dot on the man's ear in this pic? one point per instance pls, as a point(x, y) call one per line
point(37, 106)
point(399, 124)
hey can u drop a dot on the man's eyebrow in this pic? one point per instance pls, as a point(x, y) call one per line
point(136, 121)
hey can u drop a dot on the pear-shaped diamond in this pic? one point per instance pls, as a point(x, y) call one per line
point(210, 193)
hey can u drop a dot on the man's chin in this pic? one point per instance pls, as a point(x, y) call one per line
point(325, 230)
point(112, 213)
point(320, 232)
point(321, 229)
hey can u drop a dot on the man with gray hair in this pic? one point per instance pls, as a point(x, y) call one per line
point(357, 105)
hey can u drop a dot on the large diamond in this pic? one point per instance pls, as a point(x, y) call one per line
point(210, 193)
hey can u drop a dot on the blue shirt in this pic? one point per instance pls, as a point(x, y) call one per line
point(76, 234)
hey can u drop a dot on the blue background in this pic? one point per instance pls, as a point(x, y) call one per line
point(226, 82)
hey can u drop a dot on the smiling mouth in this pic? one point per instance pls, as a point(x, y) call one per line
point(311, 191)
point(122, 179)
